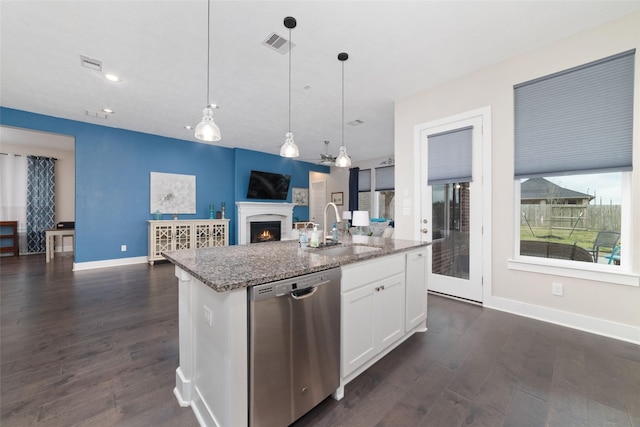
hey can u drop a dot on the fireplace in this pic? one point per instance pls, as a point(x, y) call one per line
point(249, 212)
point(264, 231)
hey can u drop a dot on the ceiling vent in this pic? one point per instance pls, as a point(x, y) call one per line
point(356, 122)
point(96, 114)
point(277, 43)
point(91, 63)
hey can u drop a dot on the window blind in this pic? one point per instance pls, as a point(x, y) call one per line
point(364, 180)
point(576, 121)
point(384, 178)
point(450, 156)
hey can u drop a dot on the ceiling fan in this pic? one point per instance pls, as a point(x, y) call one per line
point(326, 158)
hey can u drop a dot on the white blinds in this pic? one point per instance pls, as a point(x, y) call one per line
point(449, 156)
point(576, 121)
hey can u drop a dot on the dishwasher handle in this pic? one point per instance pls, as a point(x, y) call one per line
point(303, 293)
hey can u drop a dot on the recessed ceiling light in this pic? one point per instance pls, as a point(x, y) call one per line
point(108, 110)
point(187, 127)
point(356, 122)
point(112, 77)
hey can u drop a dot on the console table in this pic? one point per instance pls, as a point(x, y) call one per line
point(50, 237)
point(169, 235)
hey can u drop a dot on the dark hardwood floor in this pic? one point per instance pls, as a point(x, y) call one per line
point(100, 348)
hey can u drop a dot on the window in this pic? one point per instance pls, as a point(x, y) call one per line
point(561, 216)
point(364, 190)
point(573, 157)
point(451, 229)
point(385, 191)
point(376, 191)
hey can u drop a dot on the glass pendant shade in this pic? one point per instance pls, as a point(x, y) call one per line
point(343, 160)
point(289, 148)
point(207, 130)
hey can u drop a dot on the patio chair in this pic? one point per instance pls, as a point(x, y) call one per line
point(615, 256)
point(604, 239)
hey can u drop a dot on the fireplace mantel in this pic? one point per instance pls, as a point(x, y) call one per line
point(264, 211)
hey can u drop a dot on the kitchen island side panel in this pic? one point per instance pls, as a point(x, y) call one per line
point(218, 352)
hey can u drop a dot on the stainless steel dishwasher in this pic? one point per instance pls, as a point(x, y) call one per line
point(294, 346)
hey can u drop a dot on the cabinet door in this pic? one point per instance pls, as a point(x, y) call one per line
point(182, 236)
point(218, 234)
point(416, 289)
point(358, 344)
point(202, 235)
point(163, 234)
point(389, 311)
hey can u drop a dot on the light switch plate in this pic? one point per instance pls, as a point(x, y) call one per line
point(557, 289)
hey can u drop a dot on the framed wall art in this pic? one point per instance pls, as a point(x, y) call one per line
point(300, 196)
point(172, 193)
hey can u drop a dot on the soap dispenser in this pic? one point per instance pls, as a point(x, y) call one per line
point(334, 233)
point(315, 237)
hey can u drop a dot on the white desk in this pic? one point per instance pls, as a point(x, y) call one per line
point(50, 238)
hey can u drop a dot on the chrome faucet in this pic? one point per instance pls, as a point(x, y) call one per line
point(324, 223)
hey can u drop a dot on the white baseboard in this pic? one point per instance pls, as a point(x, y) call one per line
point(79, 266)
point(201, 410)
point(183, 389)
point(581, 322)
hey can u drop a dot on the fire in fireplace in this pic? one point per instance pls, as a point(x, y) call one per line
point(265, 231)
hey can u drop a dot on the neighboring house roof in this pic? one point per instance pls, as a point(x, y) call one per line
point(540, 188)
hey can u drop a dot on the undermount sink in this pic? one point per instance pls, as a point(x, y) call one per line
point(336, 251)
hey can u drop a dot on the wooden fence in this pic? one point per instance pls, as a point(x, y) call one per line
point(597, 217)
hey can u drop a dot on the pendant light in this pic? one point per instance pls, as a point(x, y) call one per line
point(343, 160)
point(207, 130)
point(289, 148)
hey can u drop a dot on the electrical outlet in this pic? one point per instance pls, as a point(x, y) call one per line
point(208, 316)
point(123, 248)
point(557, 289)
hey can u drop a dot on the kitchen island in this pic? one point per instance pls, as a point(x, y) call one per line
point(383, 302)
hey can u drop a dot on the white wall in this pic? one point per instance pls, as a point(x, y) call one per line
point(338, 181)
point(610, 307)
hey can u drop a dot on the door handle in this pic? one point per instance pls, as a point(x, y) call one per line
point(305, 293)
point(424, 231)
point(424, 221)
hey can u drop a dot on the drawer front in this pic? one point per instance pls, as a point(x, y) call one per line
point(361, 273)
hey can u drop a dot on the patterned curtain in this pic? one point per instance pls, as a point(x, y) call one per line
point(41, 204)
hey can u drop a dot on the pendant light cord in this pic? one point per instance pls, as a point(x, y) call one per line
point(343, 103)
point(290, 48)
point(208, 50)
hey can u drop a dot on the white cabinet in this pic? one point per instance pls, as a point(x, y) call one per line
point(373, 307)
point(416, 289)
point(185, 234)
point(384, 301)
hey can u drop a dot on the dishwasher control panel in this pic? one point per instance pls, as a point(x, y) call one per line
point(286, 286)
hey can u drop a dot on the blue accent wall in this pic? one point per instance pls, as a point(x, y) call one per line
point(112, 180)
point(247, 160)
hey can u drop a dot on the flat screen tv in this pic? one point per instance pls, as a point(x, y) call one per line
point(268, 186)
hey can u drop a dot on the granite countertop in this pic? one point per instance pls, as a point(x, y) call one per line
point(225, 268)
